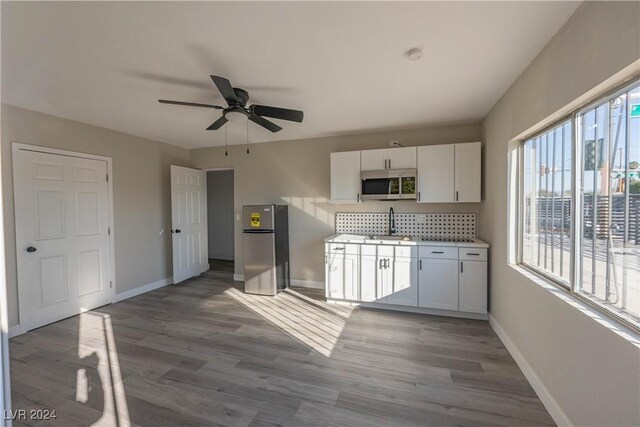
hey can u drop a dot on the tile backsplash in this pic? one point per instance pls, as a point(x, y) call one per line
point(454, 227)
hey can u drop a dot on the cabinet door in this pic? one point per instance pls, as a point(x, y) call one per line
point(335, 275)
point(345, 177)
point(436, 174)
point(438, 283)
point(342, 276)
point(473, 286)
point(351, 277)
point(373, 160)
point(385, 278)
point(468, 172)
point(401, 158)
point(405, 282)
point(368, 278)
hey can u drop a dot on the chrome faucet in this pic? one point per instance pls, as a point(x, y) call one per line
point(392, 222)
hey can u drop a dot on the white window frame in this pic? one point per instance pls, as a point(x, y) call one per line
point(576, 202)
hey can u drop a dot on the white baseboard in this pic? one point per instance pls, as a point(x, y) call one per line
point(543, 393)
point(142, 289)
point(307, 284)
point(14, 331)
point(238, 277)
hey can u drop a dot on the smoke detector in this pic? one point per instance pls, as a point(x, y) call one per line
point(415, 54)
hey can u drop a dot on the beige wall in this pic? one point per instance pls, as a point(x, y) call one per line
point(591, 372)
point(141, 191)
point(296, 173)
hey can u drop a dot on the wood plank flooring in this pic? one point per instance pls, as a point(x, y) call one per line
point(203, 353)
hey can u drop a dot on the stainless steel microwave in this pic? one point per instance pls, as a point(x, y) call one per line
point(390, 184)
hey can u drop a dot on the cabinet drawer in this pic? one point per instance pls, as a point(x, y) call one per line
point(385, 251)
point(406, 252)
point(342, 248)
point(368, 249)
point(472, 254)
point(443, 252)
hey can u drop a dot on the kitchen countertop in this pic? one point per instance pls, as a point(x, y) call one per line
point(414, 241)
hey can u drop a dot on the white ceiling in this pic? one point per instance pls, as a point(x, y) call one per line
point(344, 64)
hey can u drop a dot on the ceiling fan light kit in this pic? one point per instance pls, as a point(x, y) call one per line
point(237, 111)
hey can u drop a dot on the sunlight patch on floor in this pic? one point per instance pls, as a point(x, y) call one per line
point(314, 323)
point(97, 348)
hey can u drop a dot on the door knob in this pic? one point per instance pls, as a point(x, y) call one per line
point(31, 249)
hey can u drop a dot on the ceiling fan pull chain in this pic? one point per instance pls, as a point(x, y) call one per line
point(247, 136)
point(226, 141)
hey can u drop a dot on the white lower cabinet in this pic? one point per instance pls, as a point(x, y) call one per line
point(368, 278)
point(438, 279)
point(341, 272)
point(473, 286)
point(405, 282)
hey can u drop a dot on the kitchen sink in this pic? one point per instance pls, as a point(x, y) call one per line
point(396, 238)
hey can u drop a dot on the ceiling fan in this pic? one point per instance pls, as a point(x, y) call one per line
point(237, 110)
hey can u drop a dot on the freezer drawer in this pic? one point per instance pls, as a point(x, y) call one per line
point(260, 263)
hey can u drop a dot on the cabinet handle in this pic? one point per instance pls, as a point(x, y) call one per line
point(326, 259)
point(461, 267)
point(387, 261)
point(437, 252)
point(380, 264)
point(420, 264)
point(358, 197)
point(389, 163)
point(469, 253)
point(456, 195)
point(338, 249)
point(419, 198)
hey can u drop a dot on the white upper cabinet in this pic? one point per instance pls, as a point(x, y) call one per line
point(436, 176)
point(468, 172)
point(401, 158)
point(449, 173)
point(388, 158)
point(345, 177)
point(373, 160)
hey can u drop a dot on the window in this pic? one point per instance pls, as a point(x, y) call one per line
point(546, 239)
point(588, 239)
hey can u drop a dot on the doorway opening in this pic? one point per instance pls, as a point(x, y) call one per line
point(220, 218)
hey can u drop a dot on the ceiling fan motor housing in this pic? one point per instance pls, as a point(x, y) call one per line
point(242, 95)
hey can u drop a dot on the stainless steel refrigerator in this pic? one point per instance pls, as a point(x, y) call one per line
point(266, 248)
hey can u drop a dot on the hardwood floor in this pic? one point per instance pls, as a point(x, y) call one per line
point(205, 353)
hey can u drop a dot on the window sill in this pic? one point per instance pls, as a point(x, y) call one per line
point(619, 328)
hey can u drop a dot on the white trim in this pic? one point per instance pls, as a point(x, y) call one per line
point(238, 277)
point(14, 331)
point(409, 309)
point(307, 284)
point(142, 289)
point(541, 390)
point(15, 146)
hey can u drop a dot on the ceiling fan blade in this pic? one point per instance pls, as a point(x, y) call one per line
point(278, 113)
point(218, 123)
point(264, 123)
point(225, 88)
point(191, 104)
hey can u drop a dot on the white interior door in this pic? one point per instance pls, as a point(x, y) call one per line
point(189, 222)
point(62, 236)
